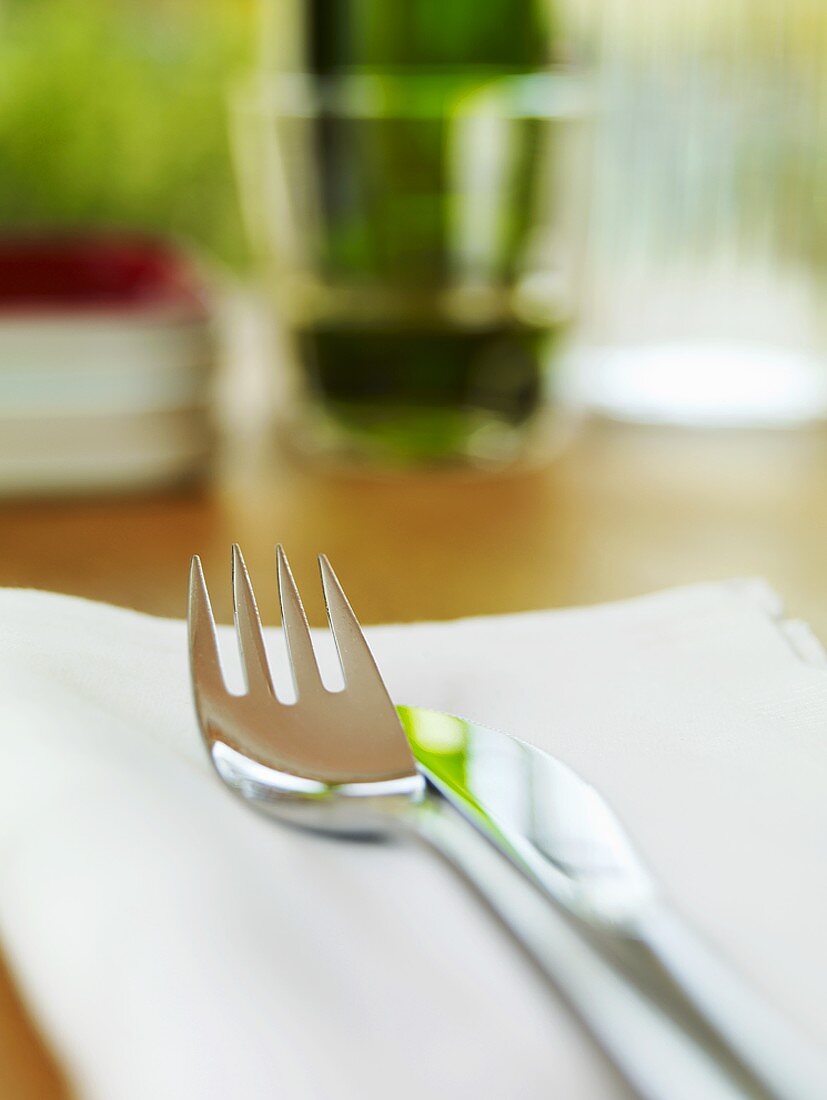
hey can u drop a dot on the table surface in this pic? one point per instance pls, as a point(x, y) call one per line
point(623, 511)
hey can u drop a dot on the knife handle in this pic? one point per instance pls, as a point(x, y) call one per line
point(654, 1054)
point(690, 980)
point(748, 1041)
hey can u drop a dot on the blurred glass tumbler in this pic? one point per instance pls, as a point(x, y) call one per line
point(708, 251)
point(421, 231)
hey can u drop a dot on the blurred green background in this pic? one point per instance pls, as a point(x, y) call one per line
point(113, 113)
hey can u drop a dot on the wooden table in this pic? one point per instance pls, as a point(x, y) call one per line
point(624, 511)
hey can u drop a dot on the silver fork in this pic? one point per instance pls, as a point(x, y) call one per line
point(340, 762)
point(326, 761)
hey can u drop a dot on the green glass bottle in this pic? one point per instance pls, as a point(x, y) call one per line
point(432, 163)
point(512, 35)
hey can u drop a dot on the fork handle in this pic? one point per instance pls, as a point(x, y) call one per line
point(654, 1054)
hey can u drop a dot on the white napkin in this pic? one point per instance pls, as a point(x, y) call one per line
point(172, 944)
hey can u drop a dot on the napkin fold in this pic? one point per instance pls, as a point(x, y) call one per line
point(171, 943)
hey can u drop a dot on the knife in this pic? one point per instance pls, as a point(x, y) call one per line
point(560, 834)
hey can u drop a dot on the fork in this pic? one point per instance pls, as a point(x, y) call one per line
point(339, 762)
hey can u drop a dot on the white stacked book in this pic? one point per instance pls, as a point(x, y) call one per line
point(106, 361)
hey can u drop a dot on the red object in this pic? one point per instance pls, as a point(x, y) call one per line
point(96, 274)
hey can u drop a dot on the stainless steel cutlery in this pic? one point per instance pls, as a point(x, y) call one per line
point(538, 844)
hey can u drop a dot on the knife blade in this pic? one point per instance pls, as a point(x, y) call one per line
point(562, 835)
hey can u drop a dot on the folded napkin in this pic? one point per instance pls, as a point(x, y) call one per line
point(172, 944)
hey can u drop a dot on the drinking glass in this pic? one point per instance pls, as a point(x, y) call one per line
point(421, 233)
point(708, 283)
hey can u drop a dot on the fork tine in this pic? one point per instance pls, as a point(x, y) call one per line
point(359, 668)
point(248, 629)
point(303, 666)
point(205, 664)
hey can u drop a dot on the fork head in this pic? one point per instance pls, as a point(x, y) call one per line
point(338, 761)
